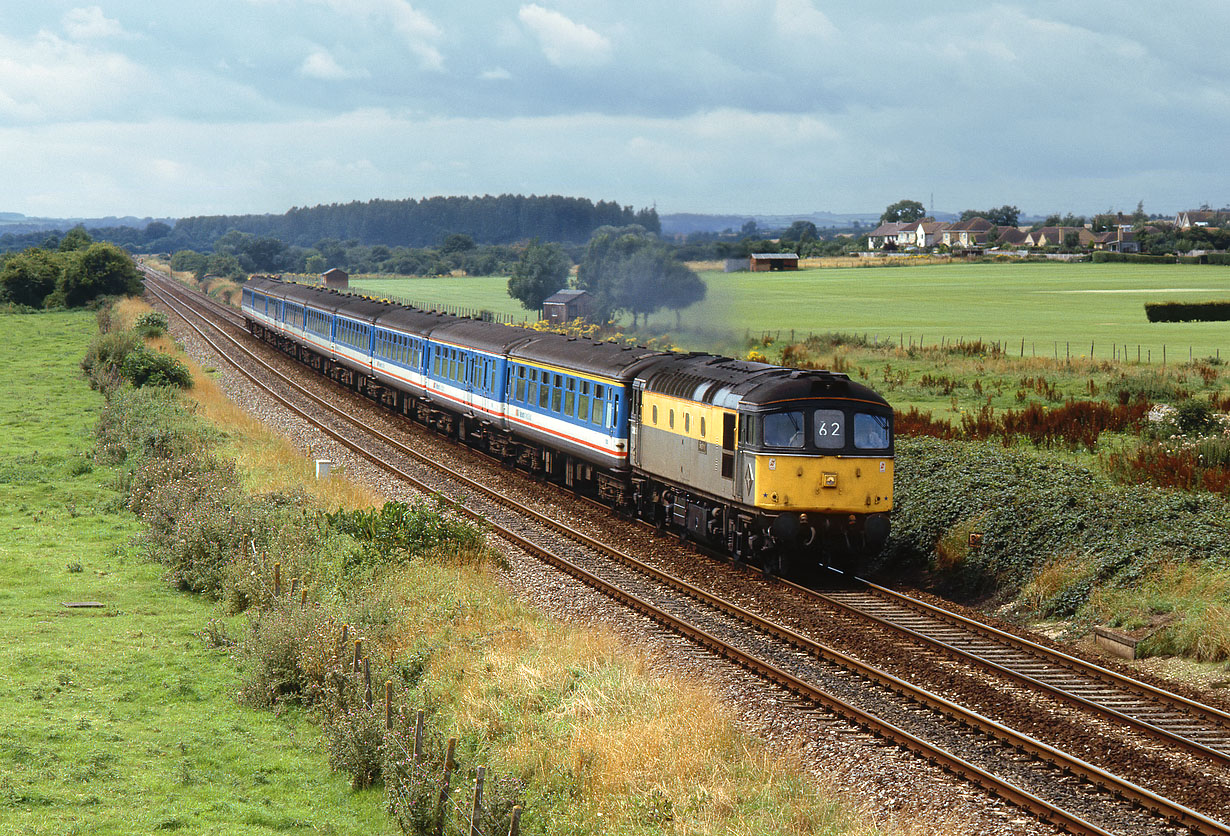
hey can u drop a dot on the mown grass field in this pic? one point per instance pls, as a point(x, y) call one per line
point(1042, 304)
point(1054, 307)
point(121, 720)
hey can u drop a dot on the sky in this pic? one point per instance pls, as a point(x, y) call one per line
point(170, 108)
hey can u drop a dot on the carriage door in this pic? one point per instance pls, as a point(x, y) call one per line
point(728, 451)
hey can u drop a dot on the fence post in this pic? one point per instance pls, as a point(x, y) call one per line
point(514, 829)
point(367, 681)
point(358, 654)
point(277, 580)
point(448, 777)
point(480, 773)
point(388, 705)
point(294, 587)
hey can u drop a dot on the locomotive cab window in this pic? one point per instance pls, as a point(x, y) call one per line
point(783, 429)
point(830, 429)
point(871, 432)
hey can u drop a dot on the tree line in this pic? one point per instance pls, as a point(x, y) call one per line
point(73, 274)
point(425, 223)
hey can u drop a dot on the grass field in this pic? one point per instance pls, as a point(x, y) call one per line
point(1054, 308)
point(1042, 304)
point(122, 719)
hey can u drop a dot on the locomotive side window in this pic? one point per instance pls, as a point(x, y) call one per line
point(783, 429)
point(871, 431)
point(830, 429)
point(655, 415)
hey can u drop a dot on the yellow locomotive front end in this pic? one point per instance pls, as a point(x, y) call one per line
point(786, 468)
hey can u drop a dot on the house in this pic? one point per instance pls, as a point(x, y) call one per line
point(1116, 241)
point(965, 233)
point(1009, 236)
point(1202, 217)
point(927, 235)
point(764, 262)
point(336, 277)
point(1055, 236)
point(884, 234)
point(565, 306)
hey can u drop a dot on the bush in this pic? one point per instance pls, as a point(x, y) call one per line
point(105, 356)
point(145, 367)
point(399, 532)
point(151, 324)
point(290, 656)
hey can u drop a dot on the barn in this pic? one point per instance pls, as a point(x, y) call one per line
point(766, 262)
point(565, 306)
point(336, 277)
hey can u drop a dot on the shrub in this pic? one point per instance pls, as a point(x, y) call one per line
point(400, 532)
point(145, 367)
point(290, 656)
point(105, 356)
point(151, 324)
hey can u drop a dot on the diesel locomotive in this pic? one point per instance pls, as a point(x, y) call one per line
point(784, 468)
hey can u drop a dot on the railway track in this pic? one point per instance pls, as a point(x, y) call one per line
point(1186, 724)
point(1012, 765)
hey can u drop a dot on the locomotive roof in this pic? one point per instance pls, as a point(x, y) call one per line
point(729, 383)
point(605, 359)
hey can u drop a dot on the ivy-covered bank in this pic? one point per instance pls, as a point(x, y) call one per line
point(1065, 541)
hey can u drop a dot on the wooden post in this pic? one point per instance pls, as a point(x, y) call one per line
point(476, 809)
point(303, 596)
point(358, 655)
point(345, 635)
point(444, 788)
point(367, 681)
point(294, 586)
point(277, 580)
point(418, 737)
point(388, 705)
point(514, 829)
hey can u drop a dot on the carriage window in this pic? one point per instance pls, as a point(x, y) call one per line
point(871, 431)
point(544, 392)
point(583, 407)
point(783, 429)
point(830, 428)
point(570, 397)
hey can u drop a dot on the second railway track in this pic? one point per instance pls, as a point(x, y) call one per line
point(824, 674)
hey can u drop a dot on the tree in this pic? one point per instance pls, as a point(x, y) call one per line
point(457, 243)
point(541, 271)
point(904, 211)
point(1000, 216)
point(800, 232)
point(100, 270)
point(629, 270)
point(29, 277)
point(75, 239)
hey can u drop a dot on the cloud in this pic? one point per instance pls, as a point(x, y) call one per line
point(415, 28)
point(564, 42)
point(495, 74)
point(320, 64)
point(87, 23)
point(800, 19)
point(50, 78)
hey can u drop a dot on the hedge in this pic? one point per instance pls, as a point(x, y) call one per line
point(1187, 311)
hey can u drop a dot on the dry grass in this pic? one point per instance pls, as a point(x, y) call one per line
point(1058, 574)
point(1187, 606)
point(573, 710)
point(267, 459)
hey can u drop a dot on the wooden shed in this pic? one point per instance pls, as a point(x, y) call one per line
point(764, 262)
point(336, 277)
point(565, 305)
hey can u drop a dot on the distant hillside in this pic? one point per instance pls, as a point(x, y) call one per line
point(19, 224)
point(684, 223)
